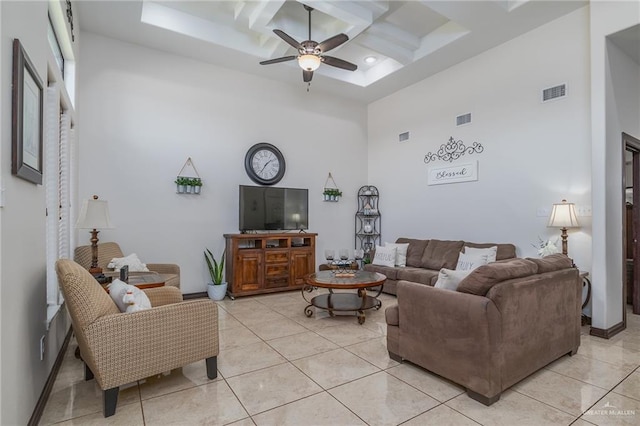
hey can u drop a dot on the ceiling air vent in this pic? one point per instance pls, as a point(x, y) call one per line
point(555, 92)
point(403, 137)
point(463, 119)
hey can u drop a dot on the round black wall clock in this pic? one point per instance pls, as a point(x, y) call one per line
point(264, 164)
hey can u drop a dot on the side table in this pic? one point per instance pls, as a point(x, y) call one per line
point(586, 282)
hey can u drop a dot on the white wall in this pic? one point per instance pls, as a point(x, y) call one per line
point(23, 312)
point(535, 154)
point(142, 112)
point(610, 72)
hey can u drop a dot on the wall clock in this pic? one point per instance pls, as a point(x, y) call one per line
point(264, 164)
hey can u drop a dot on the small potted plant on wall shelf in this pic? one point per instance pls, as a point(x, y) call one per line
point(197, 185)
point(217, 288)
point(332, 194)
point(181, 183)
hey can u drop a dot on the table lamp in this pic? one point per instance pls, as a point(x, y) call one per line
point(563, 216)
point(94, 215)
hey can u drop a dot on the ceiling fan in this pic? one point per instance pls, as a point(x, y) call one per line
point(311, 53)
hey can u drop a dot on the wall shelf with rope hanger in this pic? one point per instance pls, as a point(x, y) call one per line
point(188, 180)
point(331, 191)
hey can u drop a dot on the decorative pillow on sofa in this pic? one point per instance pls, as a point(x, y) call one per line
point(553, 262)
point(491, 252)
point(448, 279)
point(469, 262)
point(401, 253)
point(481, 279)
point(385, 256)
point(135, 264)
point(117, 291)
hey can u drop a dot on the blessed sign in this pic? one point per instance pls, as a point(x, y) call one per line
point(452, 174)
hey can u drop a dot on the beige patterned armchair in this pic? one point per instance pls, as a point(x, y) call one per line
point(107, 251)
point(120, 348)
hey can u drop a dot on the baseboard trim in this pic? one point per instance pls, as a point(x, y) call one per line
point(48, 386)
point(609, 332)
point(190, 296)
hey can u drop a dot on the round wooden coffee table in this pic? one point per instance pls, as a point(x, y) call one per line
point(351, 302)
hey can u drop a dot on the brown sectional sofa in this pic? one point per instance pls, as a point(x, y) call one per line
point(506, 320)
point(425, 258)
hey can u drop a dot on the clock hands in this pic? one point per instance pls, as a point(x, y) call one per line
point(265, 165)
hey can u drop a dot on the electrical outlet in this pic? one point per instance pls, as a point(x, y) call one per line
point(583, 210)
point(42, 347)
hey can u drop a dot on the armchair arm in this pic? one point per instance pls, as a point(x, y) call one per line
point(163, 295)
point(123, 348)
point(164, 268)
point(455, 335)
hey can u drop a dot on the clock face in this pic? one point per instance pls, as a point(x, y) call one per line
point(264, 164)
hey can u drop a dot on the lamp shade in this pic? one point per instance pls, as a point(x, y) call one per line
point(309, 62)
point(563, 215)
point(94, 214)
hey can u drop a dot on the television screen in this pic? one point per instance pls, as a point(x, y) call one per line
point(264, 208)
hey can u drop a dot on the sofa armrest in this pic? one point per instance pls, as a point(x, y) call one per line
point(123, 348)
point(391, 315)
point(451, 334)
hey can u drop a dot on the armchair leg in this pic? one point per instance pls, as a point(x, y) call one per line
point(110, 400)
point(395, 357)
point(212, 367)
point(88, 374)
point(481, 398)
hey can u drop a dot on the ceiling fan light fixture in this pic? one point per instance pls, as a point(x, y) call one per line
point(309, 62)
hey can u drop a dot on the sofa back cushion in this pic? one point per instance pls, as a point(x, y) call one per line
point(484, 277)
point(441, 254)
point(505, 251)
point(553, 262)
point(415, 250)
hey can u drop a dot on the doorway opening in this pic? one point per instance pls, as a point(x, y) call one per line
point(631, 221)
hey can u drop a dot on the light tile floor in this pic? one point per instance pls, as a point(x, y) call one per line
point(278, 367)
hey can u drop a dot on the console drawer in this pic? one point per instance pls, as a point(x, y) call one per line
point(276, 256)
point(278, 270)
point(276, 282)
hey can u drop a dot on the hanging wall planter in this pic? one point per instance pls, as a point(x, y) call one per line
point(331, 193)
point(188, 184)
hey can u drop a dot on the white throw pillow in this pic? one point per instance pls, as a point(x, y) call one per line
point(401, 253)
point(135, 264)
point(469, 262)
point(385, 256)
point(491, 252)
point(118, 289)
point(448, 279)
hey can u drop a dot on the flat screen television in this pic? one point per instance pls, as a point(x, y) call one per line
point(264, 208)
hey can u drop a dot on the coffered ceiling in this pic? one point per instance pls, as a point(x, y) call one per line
point(409, 40)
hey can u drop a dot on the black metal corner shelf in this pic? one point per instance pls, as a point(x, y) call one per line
point(368, 220)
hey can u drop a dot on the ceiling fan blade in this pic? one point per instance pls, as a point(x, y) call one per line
point(307, 76)
point(276, 60)
point(286, 37)
point(339, 63)
point(333, 42)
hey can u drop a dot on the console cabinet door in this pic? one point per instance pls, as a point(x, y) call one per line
point(248, 274)
point(302, 263)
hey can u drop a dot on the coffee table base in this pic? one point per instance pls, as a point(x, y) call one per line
point(343, 302)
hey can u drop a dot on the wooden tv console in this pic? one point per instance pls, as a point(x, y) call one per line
point(268, 263)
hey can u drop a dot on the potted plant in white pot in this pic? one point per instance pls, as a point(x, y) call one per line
point(217, 288)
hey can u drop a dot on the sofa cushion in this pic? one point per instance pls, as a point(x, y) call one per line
point(553, 262)
point(505, 251)
point(483, 278)
point(441, 254)
point(417, 275)
point(387, 271)
point(414, 251)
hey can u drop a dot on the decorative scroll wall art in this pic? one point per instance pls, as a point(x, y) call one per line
point(452, 151)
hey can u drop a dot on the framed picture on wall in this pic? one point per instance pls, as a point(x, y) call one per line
point(27, 111)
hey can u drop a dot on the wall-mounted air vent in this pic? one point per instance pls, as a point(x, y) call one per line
point(555, 92)
point(402, 137)
point(463, 119)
